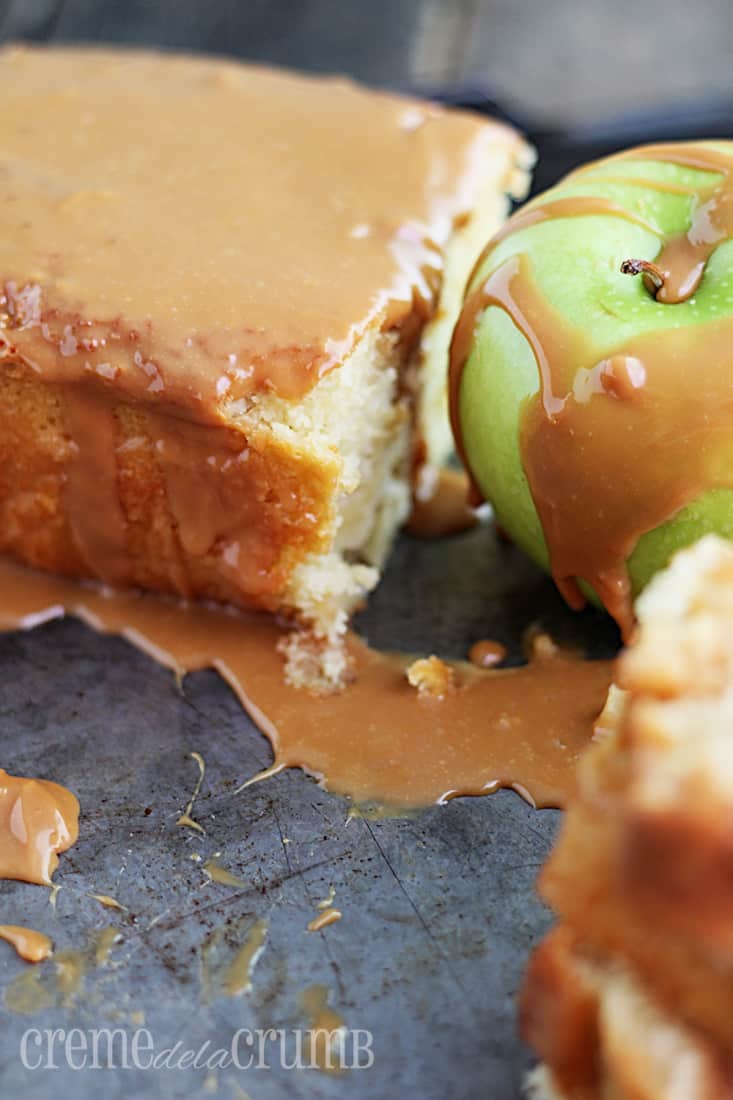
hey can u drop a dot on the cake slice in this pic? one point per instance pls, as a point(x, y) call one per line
point(631, 995)
point(227, 296)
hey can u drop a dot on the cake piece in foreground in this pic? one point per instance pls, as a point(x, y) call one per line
point(227, 298)
point(631, 995)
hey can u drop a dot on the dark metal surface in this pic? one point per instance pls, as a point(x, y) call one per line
point(438, 910)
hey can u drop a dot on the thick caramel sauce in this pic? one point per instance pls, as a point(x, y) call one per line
point(30, 945)
point(378, 741)
point(682, 259)
point(273, 249)
point(487, 653)
point(613, 448)
point(38, 819)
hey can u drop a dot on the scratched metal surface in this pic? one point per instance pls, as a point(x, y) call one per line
point(438, 910)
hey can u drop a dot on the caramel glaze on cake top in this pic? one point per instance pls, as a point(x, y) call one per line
point(184, 238)
point(194, 231)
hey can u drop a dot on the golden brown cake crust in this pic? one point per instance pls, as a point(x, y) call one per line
point(279, 501)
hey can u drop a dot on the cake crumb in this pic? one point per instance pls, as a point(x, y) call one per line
point(432, 677)
point(538, 644)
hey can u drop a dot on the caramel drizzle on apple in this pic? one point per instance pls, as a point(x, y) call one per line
point(616, 449)
point(532, 214)
point(579, 206)
point(680, 265)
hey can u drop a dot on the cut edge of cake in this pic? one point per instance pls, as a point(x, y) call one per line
point(404, 436)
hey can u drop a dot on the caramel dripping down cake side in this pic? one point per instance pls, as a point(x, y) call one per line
point(227, 297)
point(630, 997)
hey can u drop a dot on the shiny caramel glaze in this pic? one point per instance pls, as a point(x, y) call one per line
point(602, 445)
point(378, 741)
point(187, 240)
point(193, 272)
point(38, 819)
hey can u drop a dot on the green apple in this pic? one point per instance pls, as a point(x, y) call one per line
point(576, 264)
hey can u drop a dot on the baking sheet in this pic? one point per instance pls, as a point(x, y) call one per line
point(438, 910)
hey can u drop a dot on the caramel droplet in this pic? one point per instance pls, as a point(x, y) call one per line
point(487, 653)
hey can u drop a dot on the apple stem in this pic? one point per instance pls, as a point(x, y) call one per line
point(652, 275)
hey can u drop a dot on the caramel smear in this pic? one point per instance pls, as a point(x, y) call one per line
point(29, 945)
point(238, 978)
point(378, 741)
point(328, 901)
point(326, 1029)
point(615, 446)
point(38, 819)
point(58, 984)
point(220, 874)
point(231, 977)
point(108, 902)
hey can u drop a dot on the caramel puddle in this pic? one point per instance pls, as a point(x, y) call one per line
point(376, 742)
point(38, 819)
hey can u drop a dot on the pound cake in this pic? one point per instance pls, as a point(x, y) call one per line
point(630, 997)
point(227, 295)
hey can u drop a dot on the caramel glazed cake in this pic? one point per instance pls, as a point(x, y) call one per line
point(228, 294)
point(630, 997)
